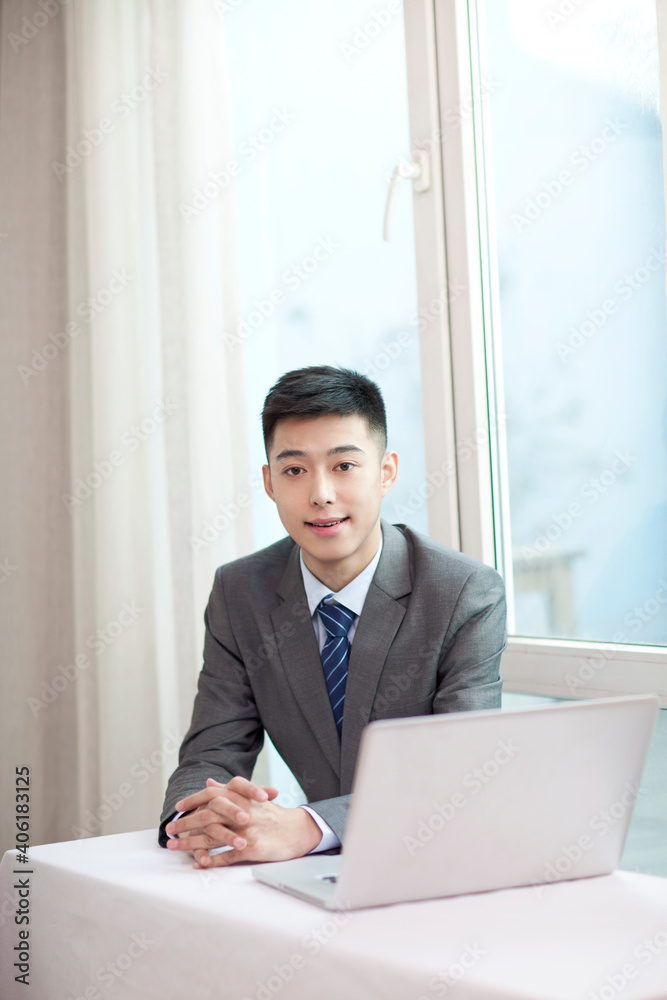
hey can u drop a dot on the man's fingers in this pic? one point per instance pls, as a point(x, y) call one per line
point(247, 788)
point(208, 794)
point(271, 792)
point(237, 789)
point(218, 809)
point(216, 836)
point(218, 860)
point(197, 799)
point(198, 855)
point(205, 860)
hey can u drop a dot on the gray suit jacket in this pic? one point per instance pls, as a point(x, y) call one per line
point(429, 639)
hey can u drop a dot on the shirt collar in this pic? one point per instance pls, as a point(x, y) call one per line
point(352, 596)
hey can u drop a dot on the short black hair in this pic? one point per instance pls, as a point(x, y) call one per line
point(322, 390)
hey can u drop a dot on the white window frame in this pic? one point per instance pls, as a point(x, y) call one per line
point(452, 236)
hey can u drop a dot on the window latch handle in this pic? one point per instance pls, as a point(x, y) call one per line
point(417, 170)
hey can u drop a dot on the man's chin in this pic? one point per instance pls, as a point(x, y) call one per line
point(329, 550)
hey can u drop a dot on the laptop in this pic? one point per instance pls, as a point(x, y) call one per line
point(471, 801)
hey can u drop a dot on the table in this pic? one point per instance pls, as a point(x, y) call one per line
point(119, 917)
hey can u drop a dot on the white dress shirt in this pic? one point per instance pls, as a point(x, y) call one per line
point(352, 596)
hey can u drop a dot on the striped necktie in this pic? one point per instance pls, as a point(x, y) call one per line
point(336, 655)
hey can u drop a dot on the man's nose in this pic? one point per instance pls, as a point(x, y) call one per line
point(323, 490)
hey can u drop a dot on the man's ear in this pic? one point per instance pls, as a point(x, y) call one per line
point(389, 471)
point(266, 472)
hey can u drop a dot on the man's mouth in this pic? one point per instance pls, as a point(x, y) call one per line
point(327, 524)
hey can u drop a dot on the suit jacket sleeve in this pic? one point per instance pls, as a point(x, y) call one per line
point(469, 668)
point(334, 812)
point(226, 732)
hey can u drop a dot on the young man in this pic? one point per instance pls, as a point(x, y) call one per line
point(348, 619)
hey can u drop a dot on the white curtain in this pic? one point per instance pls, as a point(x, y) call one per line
point(124, 420)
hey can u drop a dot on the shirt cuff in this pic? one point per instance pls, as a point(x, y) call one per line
point(329, 839)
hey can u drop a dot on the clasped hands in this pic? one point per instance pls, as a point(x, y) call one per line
point(243, 816)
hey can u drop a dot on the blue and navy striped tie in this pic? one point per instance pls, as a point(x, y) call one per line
point(336, 655)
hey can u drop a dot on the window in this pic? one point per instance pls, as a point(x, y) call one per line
point(554, 219)
point(574, 159)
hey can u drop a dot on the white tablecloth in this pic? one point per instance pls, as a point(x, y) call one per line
point(118, 917)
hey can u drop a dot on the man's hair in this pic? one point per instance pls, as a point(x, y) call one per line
point(323, 390)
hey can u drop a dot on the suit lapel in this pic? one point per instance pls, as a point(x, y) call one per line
point(377, 627)
point(295, 638)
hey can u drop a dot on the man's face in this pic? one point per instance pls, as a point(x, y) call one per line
point(327, 478)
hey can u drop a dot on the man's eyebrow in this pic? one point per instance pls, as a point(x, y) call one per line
point(338, 450)
point(343, 448)
point(290, 453)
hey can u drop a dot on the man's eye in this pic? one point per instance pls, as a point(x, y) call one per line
point(293, 470)
point(344, 466)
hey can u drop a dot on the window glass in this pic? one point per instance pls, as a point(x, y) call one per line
point(574, 176)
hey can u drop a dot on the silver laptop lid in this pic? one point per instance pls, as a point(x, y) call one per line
point(472, 801)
